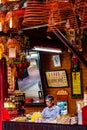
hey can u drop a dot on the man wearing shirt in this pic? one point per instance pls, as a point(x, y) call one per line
point(51, 111)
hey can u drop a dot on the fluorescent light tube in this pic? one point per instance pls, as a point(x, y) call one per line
point(47, 49)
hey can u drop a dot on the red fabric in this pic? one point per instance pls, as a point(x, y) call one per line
point(84, 115)
point(6, 115)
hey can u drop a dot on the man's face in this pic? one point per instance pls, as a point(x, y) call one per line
point(49, 103)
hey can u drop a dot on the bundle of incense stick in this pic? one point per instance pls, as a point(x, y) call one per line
point(60, 12)
point(80, 8)
point(36, 13)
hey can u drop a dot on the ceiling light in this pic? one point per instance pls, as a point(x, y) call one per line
point(44, 49)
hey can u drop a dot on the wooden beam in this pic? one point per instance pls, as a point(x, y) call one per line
point(67, 43)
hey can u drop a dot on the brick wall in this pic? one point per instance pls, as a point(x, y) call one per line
point(47, 64)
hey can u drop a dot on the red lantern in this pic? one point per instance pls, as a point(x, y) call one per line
point(19, 12)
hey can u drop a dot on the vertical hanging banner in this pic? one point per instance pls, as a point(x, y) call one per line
point(76, 84)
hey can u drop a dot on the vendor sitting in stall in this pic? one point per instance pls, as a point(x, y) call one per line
point(51, 111)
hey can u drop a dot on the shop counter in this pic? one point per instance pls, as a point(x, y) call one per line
point(9, 125)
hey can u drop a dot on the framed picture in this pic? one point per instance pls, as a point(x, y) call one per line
point(56, 60)
point(56, 78)
point(76, 84)
point(63, 104)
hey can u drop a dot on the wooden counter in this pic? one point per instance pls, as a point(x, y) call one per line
point(40, 126)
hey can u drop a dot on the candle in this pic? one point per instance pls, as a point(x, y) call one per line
point(10, 23)
point(0, 26)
